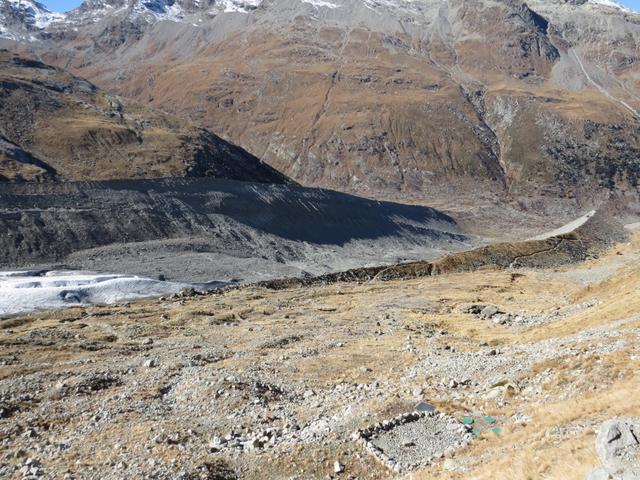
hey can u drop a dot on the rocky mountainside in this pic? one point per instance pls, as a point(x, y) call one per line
point(54, 125)
point(384, 97)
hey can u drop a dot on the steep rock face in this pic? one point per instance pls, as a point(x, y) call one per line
point(57, 126)
point(385, 97)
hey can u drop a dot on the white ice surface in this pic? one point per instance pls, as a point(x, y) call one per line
point(26, 291)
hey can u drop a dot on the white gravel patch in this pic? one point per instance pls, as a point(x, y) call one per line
point(568, 228)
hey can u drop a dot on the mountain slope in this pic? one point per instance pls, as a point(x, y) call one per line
point(392, 97)
point(57, 126)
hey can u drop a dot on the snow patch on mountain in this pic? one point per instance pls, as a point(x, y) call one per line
point(20, 19)
point(321, 3)
point(410, 6)
point(33, 13)
point(242, 6)
point(160, 10)
point(171, 10)
point(612, 4)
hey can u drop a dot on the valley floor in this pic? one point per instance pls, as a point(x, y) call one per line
point(257, 383)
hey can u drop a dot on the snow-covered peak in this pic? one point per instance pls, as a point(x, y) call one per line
point(21, 19)
point(158, 10)
point(188, 11)
point(161, 9)
point(28, 12)
point(612, 4)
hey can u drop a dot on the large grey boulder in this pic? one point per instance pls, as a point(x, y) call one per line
point(618, 446)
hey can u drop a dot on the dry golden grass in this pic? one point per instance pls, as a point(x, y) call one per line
point(558, 442)
point(273, 92)
point(532, 452)
point(89, 135)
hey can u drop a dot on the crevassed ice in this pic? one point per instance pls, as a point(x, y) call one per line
point(24, 291)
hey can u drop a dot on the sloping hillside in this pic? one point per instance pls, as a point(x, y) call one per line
point(55, 126)
point(522, 366)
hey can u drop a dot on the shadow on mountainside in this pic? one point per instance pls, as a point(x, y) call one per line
point(45, 222)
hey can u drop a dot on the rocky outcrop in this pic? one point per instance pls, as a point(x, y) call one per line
point(18, 164)
point(618, 447)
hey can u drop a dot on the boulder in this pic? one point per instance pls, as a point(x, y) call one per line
point(489, 311)
point(618, 446)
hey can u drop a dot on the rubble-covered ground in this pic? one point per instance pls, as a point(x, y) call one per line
point(521, 366)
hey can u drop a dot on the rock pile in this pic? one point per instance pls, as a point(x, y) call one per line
point(414, 439)
point(523, 319)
